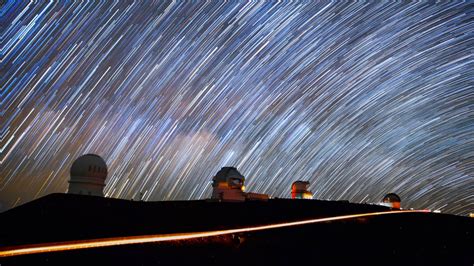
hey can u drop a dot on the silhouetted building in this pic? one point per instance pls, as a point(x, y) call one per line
point(228, 185)
point(299, 190)
point(88, 174)
point(392, 200)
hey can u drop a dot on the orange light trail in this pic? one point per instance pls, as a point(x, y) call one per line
point(128, 240)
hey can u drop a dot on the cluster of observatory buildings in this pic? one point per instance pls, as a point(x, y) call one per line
point(89, 172)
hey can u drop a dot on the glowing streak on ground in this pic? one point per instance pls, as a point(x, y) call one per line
point(106, 242)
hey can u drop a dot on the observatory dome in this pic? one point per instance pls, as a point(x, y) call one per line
point(228, 185)
point(88, 174)
point(89, 165)
point(227, 173)
point(299, 190)
point(391, 197)
point(392, 200)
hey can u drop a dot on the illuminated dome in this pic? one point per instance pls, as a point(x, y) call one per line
point(299, 190)
point(228, 173)
point(88, 174)
point(228, 185)
point(392, 200)
point(392, 197)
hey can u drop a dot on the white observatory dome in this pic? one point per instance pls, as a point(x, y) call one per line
point(88, 174)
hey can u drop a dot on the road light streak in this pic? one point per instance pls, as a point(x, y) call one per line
point(107, 242)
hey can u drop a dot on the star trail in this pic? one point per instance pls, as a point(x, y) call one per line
point(360, 99)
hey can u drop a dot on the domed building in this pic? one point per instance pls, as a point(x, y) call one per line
point(392, 200)
point(88, 174)
point(228, 185)
point(299, 190)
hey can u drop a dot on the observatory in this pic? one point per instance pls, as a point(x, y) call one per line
point(299, 190)
point(88, 174)
point(228, 185)
point(392, 200)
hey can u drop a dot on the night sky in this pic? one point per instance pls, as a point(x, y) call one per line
point(360, 99)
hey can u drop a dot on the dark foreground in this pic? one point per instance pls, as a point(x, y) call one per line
point(398, 239)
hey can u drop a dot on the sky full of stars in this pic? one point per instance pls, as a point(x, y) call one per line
point(360, 99)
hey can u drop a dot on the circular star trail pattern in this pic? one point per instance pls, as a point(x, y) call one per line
point(360, 99)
